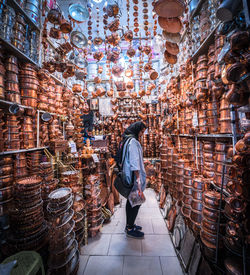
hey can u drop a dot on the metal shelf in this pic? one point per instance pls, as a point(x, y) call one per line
point(205, 45)
point(214, 135)
point(23, 151)
point(18, 8)
point(10, 103)
point(18, 53)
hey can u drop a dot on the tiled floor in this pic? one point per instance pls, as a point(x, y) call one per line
point(112, 253)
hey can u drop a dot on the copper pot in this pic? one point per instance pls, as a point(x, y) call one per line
point(220, 147)
point(29, 93)
point(172, 48)
point(196, 205)
point(11, 86)
point(6, 180)
point(171, 59)
point(208, 239)
point(187, 190)
point(29, 101)
point(220, 157)
point(11, 136)
point(169, 9)
point(186, 211)
point(12, 68)
point(197, 194)
point(211, 199)
point(6, 169)
point(65, 26)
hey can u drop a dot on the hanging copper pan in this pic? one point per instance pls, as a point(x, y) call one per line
point(171, 25)
point(172, 48)
point(171, 59)
point(171, 8)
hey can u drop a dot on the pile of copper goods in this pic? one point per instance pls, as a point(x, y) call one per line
point(225, 122)
point(196, 191)
point(51, 96)
point(212, 114)
point(12, 133)
point(58, 99)
point(33, 162)
point(55, 132)
point(174, 175)
point(94, 207)
point(20, 166)
point(28, 227)
point(70, 129)
point(71, 179)
point(49, 183)
point(180, 178)
point(12, 92)
point(199, 160)
point(27, 132)
point(29, 85)
point(210, 212)
point(208, 155)
point(2, 74)
point(63, 247)
point(6, 197)
point(187, 192)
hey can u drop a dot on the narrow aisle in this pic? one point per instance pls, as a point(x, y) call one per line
point(112, 253)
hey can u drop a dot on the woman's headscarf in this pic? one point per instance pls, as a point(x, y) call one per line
point(133, 130)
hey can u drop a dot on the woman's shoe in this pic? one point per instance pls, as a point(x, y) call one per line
point(133, 233)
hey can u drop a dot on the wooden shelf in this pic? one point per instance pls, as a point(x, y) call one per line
point(18, 53)
point(22, 151)
point(18, 8)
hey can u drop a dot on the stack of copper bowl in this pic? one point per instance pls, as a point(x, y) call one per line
point(78, 136)
point(211, 204)
point(189, 120)
point(44, 134)
point(225, 117)
point(182, 121)
point(43, 96)
point(63, 247)
point(201, 78)
point(28, 133)
point(94, 207)
point(33, 161)
point(66, 97)
point(49, 183)
point(6, 194)
point(219, 43)
point(2, 75)
point(79, 217)
point(20, 166)
point(19, 32)
point(29, 85)
point(12, 92)
point(58, 99)
point(164, 162)
point(180, 178)
point(51, 96)
point(12, 133)
point(187, 192)
point(174, 174)
point(221, 159)
point(196, 204)
point(28, 227)
point(202, 118)
point(212, 114)
point(169, 171)
point(208, 154)
point(200, 156)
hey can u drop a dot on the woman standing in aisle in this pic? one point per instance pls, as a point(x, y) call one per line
point(134, 171)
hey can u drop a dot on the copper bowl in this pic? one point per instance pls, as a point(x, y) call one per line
point(6, 181)
point(12, 68)
point(11, 86)
point(208, 239)
point(196, 205)
point(198, 183)
point(186, 211)
point(187, 190)
point(220, 147)
point(6, 160)
point(220, 157)
point(12, 77)
point(6, 169)
point(188, 181)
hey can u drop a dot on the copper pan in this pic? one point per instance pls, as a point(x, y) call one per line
point(209, 165)
point(209, 146)
point(220, 157)
point(208, 155)
point(25, 73)
point(220, 147)
point(219, 168)
point(28, 85)
point(171, 59)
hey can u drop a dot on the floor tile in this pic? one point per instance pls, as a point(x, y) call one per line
point(82, 264)
point(146, 225)
point(122, 245)
point(98, 245)
point(119, 213)
point(159, 226)
point(149, 213)
point(157, 245)
point(141, 265)
point(171, 265)
point(104, 265)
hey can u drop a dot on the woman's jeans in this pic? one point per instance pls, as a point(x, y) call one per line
point(131, 214)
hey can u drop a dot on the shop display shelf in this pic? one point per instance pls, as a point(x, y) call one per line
point(18, 53)
point(18, 8)
point(214, 135)
point(205, 45)
point(10, 103)
point(22, 151)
